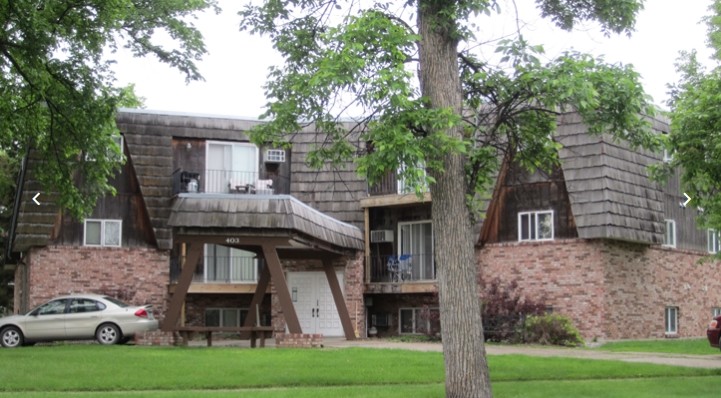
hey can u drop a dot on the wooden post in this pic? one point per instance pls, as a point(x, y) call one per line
point(340, 303)
point(281, 288)
point(181, 289)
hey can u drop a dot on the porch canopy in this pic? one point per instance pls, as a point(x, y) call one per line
point(272, 226)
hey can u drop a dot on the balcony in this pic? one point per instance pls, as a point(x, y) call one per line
point(216, 274)
point(401, 269)
point(229, 181)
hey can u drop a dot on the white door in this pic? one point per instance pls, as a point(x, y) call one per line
point(313, 302)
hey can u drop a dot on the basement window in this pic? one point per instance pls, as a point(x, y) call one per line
point(103, 233)
point(669, 239)
point(713, 241)
point(225, 317)
point(671, 320)
point(535, 225)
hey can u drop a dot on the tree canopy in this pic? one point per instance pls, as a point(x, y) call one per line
point(695, 137)
point(430, 108)
point(57, 93)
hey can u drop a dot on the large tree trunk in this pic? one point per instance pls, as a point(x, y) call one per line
point(463, 348)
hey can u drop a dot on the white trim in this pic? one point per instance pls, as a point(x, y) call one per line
point(712, 241)
point(670, 320)
point(103, 223)
point(669, 241)
point(533, 225)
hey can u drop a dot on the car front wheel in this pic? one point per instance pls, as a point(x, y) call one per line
point(11, 337)
point(108, 334)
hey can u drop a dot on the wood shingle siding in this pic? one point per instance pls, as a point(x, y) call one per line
point(36, 223)
point(610, 193)
point(257, 213)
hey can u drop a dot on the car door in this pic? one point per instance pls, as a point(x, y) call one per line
point(82, 318)
point(47, 322)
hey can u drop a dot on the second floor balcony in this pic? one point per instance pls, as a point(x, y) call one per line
point(229, 181)
point(400, 268)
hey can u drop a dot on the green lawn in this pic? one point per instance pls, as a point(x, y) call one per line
point(128, 371)
point(669, 346)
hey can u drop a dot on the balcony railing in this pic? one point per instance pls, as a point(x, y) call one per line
point(216, 269)
point(402, 268)
point(229, 181)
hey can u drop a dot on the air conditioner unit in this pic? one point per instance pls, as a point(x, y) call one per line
point(381, 235)
point(275, 156)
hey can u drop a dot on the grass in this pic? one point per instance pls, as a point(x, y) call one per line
point(669, 346)
point(125, 371)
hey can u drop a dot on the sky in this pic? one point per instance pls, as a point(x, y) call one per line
point(237, 64)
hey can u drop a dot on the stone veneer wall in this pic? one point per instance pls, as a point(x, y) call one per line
point(135, 275)
point(352, 290)
point(611, 289)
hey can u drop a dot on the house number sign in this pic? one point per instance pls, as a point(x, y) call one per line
point(232, 240)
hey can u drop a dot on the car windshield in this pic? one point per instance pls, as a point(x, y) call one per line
point(116, 302)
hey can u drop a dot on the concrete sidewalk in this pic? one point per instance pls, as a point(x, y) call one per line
point(695, 361)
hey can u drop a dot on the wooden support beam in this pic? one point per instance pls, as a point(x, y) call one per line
point(340, 303)
point(253, 316)
point(177, 300)
point(272, 262)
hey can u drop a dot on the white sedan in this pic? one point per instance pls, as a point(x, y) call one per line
point(78, 317)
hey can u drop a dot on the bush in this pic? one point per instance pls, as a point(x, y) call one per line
point(552, 329)
point(504, 309)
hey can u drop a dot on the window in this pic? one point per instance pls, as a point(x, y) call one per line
point(230, 165)
point(535, 225)
point(229, 265)
point(225, 317)
point(671, 319)
point(404, 187)
point(669, 239)
point(85, 305)
point(103, 233)
point(715, 311)
point(713, 241)
point(667, 155)
point(416, 239)
point(55, 307)
point(419, 320)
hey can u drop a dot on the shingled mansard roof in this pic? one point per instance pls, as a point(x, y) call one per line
point(608, 186)
point(262, 213)
point(148, 137)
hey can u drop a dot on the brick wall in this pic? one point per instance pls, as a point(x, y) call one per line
point(136, 275)
point(611, 289)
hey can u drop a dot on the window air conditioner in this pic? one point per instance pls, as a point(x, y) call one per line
point(381, 235)
point(275, 156)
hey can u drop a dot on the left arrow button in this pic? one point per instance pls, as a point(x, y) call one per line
point(35, 198)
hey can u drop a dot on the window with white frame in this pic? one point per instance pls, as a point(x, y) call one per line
point(404, 187)
point(671, 320)
point(423, 320)
point(535, 225)
point(103, 233)
point(715, 311)
point(229, 265)
point(230, 165)
point(415, 239)
point(669, 239)
point(713, 241)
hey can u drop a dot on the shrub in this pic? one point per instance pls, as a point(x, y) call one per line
point(504, 309)
point(552, 329)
